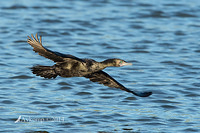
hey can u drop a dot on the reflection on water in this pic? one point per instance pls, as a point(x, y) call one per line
point(159, 37)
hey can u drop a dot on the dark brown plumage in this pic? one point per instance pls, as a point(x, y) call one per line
point(71, 66)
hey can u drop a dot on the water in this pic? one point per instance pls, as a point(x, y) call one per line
point(161, 39)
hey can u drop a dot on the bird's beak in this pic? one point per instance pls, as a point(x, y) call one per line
point(126, 64)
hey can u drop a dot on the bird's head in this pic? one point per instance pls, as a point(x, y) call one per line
point(117, 62)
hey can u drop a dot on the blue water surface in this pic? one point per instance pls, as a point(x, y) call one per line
point(161, 39)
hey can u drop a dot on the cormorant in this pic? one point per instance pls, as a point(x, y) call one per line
point(70, 66)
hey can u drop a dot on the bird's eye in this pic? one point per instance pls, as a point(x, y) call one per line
point(121, 62)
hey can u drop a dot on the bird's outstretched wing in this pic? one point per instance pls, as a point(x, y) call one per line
point(103, 78)
point(41, 50)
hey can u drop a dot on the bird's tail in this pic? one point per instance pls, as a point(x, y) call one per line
point(44, 71)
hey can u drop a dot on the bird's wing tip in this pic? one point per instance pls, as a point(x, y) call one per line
point(145, 94)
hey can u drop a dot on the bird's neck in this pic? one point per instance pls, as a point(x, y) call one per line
point(106, 63)
point(97, 66)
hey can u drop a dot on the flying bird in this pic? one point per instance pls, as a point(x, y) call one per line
point(67, 65)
